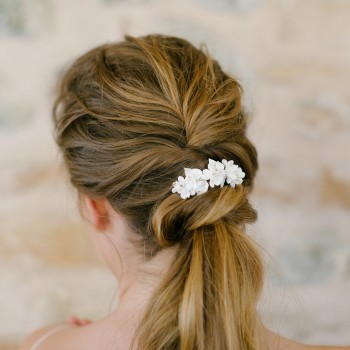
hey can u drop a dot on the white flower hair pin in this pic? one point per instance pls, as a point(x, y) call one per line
point(197, 181)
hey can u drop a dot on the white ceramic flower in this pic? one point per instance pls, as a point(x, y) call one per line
point(179, 187)
point(202, 186)
point(217, 172)
point(196, 182)
point(190, 185)
point(234, 174)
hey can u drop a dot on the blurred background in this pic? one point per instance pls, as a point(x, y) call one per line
point(293, 60)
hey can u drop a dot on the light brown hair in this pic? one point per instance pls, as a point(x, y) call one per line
point(129, 117)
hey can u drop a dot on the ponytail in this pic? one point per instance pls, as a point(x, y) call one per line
point(208, 298)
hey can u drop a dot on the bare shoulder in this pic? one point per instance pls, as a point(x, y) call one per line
point(35, 337)
point(68, 336)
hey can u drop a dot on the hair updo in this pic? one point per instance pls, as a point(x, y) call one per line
point(129, 117)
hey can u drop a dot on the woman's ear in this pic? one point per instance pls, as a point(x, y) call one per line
point(96, 212)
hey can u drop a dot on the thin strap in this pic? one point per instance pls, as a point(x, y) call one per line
point(52, 331)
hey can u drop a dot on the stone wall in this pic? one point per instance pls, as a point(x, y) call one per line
point(293, 59)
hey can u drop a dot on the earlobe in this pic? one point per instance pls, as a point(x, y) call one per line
point(97, 213)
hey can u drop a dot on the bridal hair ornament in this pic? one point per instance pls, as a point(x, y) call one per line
point(197, 181)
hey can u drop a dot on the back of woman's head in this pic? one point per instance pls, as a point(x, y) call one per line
point(129, 118)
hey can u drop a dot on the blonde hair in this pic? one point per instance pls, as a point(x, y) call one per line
point(129, 117)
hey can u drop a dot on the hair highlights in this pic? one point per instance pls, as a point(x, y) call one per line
point(129, 118)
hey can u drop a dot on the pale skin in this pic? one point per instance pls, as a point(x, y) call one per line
point(137, 278)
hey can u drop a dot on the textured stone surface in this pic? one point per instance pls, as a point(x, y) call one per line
point(292, 57)
point(24, 17)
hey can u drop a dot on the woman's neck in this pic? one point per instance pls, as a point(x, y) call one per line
point(137, 284)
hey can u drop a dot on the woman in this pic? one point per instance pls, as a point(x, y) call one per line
point(154, 138)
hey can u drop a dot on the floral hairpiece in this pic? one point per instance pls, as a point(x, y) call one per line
point(197, 181)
